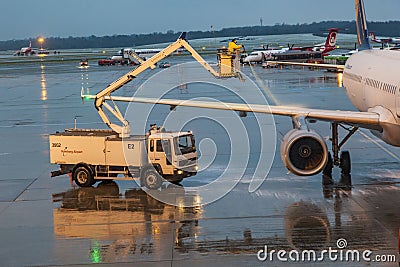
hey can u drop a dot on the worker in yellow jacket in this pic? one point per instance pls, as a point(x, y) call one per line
point(234, 51)
point(233, 46)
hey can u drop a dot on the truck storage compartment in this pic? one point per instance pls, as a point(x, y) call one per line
point(97, 147)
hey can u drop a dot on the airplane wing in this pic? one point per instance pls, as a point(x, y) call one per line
point(326, 66)
point(367, 120)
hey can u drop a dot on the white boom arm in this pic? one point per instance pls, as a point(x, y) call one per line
point(102, 96)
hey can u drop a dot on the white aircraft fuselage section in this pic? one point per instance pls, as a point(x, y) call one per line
point(261, 55)
point(372, 84)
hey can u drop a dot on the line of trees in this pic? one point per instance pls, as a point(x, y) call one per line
point(388, 28)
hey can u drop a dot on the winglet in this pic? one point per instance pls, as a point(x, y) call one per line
point(182, 36)
point(361, 25)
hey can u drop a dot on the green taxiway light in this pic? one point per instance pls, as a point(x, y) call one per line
point(95, 253)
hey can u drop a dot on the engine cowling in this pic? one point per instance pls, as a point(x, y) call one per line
point(304, 152)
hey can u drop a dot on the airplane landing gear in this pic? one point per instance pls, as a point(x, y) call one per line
point(327, 172)
point(344, 162)
point(345, 166)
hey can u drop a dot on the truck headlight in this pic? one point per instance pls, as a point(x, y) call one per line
point(180, 172)
point(196, 167)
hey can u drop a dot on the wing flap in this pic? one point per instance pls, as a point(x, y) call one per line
point(368, 120)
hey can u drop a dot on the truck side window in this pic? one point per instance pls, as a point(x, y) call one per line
point(159, 147)
point(151, 145)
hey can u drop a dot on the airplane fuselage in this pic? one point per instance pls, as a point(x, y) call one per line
point(261, 55)
point(372, 84)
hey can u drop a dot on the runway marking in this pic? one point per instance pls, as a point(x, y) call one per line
point(31, 183)
point(390, 153)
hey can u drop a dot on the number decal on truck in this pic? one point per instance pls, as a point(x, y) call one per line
point(55, 144)
point(131, 146)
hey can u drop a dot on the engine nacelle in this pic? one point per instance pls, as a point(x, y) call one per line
point(304, 152)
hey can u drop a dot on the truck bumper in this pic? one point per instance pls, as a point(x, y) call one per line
point(58, 173)
point(179, 173)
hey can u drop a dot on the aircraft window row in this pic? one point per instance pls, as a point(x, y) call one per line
point(389, 88)
point(353, 77)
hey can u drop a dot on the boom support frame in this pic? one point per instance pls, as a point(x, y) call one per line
point(101, 97)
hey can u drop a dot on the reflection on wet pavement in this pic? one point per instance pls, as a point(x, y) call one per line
point(132, 226)
point(126, 227)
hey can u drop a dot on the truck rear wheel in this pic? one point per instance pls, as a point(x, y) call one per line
point(83, 177)
point(151, 179)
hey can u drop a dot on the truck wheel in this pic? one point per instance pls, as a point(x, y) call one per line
point(151, 179)
point(83, 176)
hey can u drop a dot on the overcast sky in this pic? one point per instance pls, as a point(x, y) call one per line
point(62, 18)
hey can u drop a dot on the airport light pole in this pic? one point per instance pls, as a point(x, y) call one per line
point(41, 41)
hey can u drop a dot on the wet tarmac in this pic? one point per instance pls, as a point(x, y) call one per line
point(49, 222)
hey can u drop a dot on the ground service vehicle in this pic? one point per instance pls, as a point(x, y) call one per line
point(106, 62)
point(91, 155)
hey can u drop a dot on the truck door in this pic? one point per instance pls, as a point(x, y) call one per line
point(160, 153)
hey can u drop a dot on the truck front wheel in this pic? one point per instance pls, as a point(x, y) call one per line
point(83, 177)
point(151, 179)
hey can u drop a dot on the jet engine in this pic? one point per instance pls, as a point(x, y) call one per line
point(304, 152)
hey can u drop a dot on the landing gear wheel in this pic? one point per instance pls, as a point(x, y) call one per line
point(345, 165)
point(327, 172)
point(151, 179)
point(345, 162)
point(83, 176)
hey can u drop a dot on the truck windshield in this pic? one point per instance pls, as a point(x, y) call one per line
point(184, 144)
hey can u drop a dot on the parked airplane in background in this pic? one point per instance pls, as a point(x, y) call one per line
point(140, 54)
point(269, 54)
point(30, 51)
point(145, 53)
point(371, 82)
point(328, 46)
point(262, 55)
point(386, 41)
point(25, 51)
